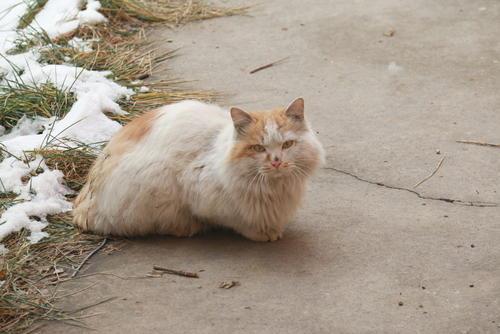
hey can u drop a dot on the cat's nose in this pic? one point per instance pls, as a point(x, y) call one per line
point(276, 163)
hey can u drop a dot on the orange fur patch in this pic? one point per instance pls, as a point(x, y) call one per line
point(131, 133)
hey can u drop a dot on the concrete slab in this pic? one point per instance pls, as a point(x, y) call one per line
point(360, 257)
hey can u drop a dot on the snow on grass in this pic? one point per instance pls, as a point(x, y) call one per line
point(40, 191)
point(81, 44)
point(85, 122)
point(11, 12)
point(59, 17)
point(43, 195)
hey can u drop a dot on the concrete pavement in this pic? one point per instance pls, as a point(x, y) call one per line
point(366, 254)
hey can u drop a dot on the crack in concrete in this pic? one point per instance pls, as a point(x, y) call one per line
point(419, 195)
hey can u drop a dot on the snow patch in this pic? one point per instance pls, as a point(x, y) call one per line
point(43, 194)
point(40, 191)
point(86, 121)
point(26, 126)
point(60, 17)
point(11, 12)
point(81, 44)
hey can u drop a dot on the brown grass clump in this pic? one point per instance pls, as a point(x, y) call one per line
point(173, 12)
point(73, 162)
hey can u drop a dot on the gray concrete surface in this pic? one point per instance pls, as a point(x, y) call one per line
point(360, 257)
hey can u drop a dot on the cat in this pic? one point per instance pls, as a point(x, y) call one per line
point(189, 166)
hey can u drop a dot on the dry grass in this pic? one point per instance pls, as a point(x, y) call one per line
point(73, 162)
point(124, 53)
point(31, 272)
point(173, 12)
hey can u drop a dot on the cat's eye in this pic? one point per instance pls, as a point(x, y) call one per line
point(258, 148)
point(288, 144)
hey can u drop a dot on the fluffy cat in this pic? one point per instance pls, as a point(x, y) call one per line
point(188, 166)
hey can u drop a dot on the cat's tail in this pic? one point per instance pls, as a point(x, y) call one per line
point(85, 205)
point(81, 208)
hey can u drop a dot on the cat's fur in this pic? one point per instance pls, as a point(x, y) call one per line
point(190, 165)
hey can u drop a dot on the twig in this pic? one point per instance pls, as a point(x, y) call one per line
point(125, 278)
point(101, 245)
point(92, 305)
point(176, 272)
point(477, 143)
point(75, 292)
point(34, 329)
point(431, 174)
point(263, 67)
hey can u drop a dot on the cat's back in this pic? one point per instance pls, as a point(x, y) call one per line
point(191, 117)
point(182, 131)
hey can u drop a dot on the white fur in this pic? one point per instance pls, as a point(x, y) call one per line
point(179, 180)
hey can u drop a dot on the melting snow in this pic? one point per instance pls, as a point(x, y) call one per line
point(44, 193)
point(60, 17)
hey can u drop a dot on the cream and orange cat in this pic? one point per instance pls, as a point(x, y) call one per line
point(188, 166)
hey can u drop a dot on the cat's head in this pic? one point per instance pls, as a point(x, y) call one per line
point(275, 143)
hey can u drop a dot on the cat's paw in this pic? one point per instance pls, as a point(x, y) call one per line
point(262, 236)
point(273, 234)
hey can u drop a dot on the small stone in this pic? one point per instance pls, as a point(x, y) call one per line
point(390, 33)
point(228, 284)
point(472, 246)
point(400, 303)
point(438, 151)
point(471, 285)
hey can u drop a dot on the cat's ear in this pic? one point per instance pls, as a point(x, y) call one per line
point(295, 110)
point(241, 119)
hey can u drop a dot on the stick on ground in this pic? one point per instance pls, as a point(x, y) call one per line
point(477, 143)
point(101, 245)
point(263, 67)
point(176, 272)
point(431, 174)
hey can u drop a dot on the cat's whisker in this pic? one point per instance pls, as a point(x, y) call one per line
point(298, 169)
point(254, 179)
point(295, 166)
